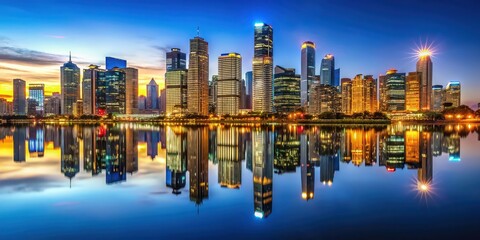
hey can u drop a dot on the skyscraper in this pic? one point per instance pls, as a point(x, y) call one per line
point(112, 62)
point(176, 91)
point(19, 97)
point(70, 86)
point(364, 94)
point(228, 85)
point(437, 97)
point(453, 93)
point(37, 93)
point(110, 92)
point(248, 89)
point(424, 67)
point(152, 95)
point(336, 78)
point(53, 104)
point(308, 70)
point(286, 92)
point(324, 98)
point(262, 68)
point(131, 90)
point(176, 60)
point(327, 70)
point(412, 92)
point(197, 98)
point(395, 91)
point(89, 88)
point(346, 96)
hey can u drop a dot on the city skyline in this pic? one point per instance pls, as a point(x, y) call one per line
point(36, 59)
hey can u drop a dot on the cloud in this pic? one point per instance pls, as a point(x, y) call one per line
point(29, 184)
point(56, 36)
point(30, 57)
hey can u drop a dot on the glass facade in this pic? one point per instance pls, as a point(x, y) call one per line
point(176, 60)
point(228, 84)
point(70, 85)
point(110, 92)
point(37, 93)
point(112, 62)
point(308, 71)
point(327, 70)
point(286, 90)
point(262, 68)
point(176, 91)
point(395, 91)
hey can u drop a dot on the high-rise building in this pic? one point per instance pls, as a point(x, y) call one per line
point(394, 91)
point(286, 87)
point(346, 96)
point(176, 60)
point(308, 71)
point(176, 91)
point(31, 107)
point(112, 63)
point(152, 95)
point(163, 100)
point(336, 78)
point(131, 90)
point(37, 93)
point(327, 70)
point(437, 98)
point(110, 92)
point(424, 68)
point(142, 102)
point(262, 68)
point(89, 89)
point(412, 92)
point(212, 94)
point(197, 98)
point(324, 98)
point(19, 97)
point(248, 89)
point(364, 94)
point(382, 89)
point(453, 93)
point(53, 104)
point(70, 86)
point(228, 85)
point(4, 107)
point(243, 94)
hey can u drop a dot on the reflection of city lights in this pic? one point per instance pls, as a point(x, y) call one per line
point(258, 214)
point(329, 183)
point(304, 195)
point(423, 187)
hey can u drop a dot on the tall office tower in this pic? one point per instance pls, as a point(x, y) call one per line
point(176, 91)
point(262, 68)
point(286, 90)
point(197, 152)
point(19, 149)
point(364, 94)
point(131, 90)
point(346, 96)
point(336, 78)
point(19, 97)
point(176, 60)
point(197, 98)
point(424, 67)
point(53, 104)
point(163, 100)
point(176, 158)
point(229, 160)
point(3, 107)
point(31, 107)
point(152, 95)
point(412, 92)
point(142, 102)
point(437, 98)
point(228, 85)
point(382, 89)
point(212, 94)
point(327, 70)
point(249, 89)
point(262, 154)
point(453, 93)
point(324, 98)
point(308, 71)
point(37, 93)
point(89, 88)
point(111, 63)
point(70, 86)
point(243, 94)
point(395, 91)
point(110, 92)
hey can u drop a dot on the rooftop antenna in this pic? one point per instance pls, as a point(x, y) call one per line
point(198, 31)
point(70, 56)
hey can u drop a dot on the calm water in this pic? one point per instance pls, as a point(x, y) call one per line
point(142, 181)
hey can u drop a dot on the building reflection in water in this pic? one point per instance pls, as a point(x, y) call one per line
point(70, 158)
point(36, 143)
point(19, 138)
point(176, 170)
point(287, 150)
point(262, 149)
point(197, 152)
point(306, 166)
point(228, 154)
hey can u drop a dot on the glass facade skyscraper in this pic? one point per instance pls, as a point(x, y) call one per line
point(89, 88)
point(262, 68)
point(228, 84)
point(308, 71)
point(412, 92)
point(197, 98)
point(152, 95)
point(70, 85)
point(19, 97)
point(437, 97)
point(176, 60)
point(36, 92)
point(424, 67)
point(395, 91)
point(286, 90)
point(327, 70)
point(453, 93)
point(112, 62)
point(110, 92)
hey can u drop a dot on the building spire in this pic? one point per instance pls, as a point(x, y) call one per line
point(70, 56)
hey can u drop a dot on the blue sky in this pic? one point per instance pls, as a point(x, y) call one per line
point(365, 36)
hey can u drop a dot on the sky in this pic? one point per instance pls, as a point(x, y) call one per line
point(366, 37)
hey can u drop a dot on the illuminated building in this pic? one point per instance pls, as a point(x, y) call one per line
point(19, 137)
point(91, 161)
point(308, 71)
point(197, 98)
point(110, 92)
point(248, 89)
point(5, 107)
point(286, 90)
point(262, 68)
point(78, 108)
point(412, 148)
point(395, 91)
point(392, 150)
point(438, 95)
point(36, 143)
point(115, 155)
point(324, 98)
point(142, 102)
point(262, 144)
point(197, 152)
point(453, 93)
point(327, 70)
point(212, 94)
point(412, 92)
point(152, 95)
point(176, 91)
point(19, 97)
point(382, 93)
point(70, 86)
point(176, 171)
point(336, 78)
point(89, 89)
point(176, 60)
point(229, 162)
point(287, 150)
point(31, 107)
point(37, 93)
point(243, 94)
point(111, 63)
point(131, 90)
point(346, 96)
point(424, 68)
point(228, 84)
point(307, 168)
point(53, 104)
point(163, 100)
point(364, 94)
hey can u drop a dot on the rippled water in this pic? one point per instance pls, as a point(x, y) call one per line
point(144, 181)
